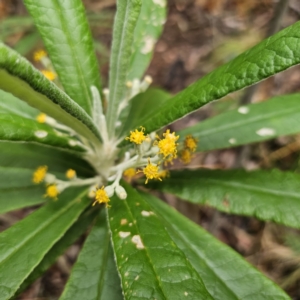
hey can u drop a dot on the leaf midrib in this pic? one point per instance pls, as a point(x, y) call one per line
point(245, 122)
point(39, 229)
point(249, 187)
point(146, 250)
point(75, 57)
point(176, 231)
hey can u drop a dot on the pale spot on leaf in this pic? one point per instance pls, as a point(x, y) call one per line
point(124, 234)
point(149, 43)
point(161, 3)
point(266, 132)
point(243, 110)
point(41, 134)
point(145, 213)
point(136, 239)
point(123, 222)
point(232, 141)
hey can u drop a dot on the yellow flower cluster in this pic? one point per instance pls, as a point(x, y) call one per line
point(166, 151)
point(52, 190)
point(49, 74)
point(137, 136)
point(101, 197)
point(190, 146)
point(39, 55)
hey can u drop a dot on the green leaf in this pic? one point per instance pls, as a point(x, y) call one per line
point(17, 189)
point(144, 104)
point(94, 276)
point(20, 78)
point(66, 34)
point(30, 156)
point(27, 43)
point(225, 273)
point(70, 237)
point(24, 245)
point(12, 105)
point(124, 25)
point(145, 254)
point(147, 31)
point(271, 56)
point(270, 196)
point(248, 124)
point(15, 128)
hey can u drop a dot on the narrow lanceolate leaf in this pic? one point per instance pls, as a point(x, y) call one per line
point(248, 124)
point(20, 78)
point(144, 104)
point(271, 56)
point(79, 227)
point(30, 156)
point(19, 129)
point(124, 25)
point(66, 34)
point(12, 105)
point(267, 195)
point(95, 276)
point(24, 245)
point(150, 264)
point(147, 31)
point(17, 189)
point(225, 273)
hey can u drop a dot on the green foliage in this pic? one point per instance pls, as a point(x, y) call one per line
point(138, 247)
point(267, 195)
point(24, 245)
point(269, 57)
point(225, 274)
point(248, 124)
point(95, 279)
point(70, 46)
point(123, 35)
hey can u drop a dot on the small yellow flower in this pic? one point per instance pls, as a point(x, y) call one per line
point(52, 191)
point(137, 136)
point(41, 118)
point(170, 136)
point(49, 74)
point(101, 197)
point(70, 174)
point(186, 156)
point(38, 55)
point(151, 171)
point(167, 147)
point(39, 174)
point(190, 143)
point(129, 173)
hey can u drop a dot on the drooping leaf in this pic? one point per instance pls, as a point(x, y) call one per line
point(23, 246)
point(271, 56)
point(147, 31)
point(30, 156)
point(248, 124)
point(267, 195)
point(144, 104)
point(79, 227)
point(20, 78)
point(94, 276)
point(149, 262)
point(66, 34)
point(124, 25)
point(225, 273)
point(19, 129)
